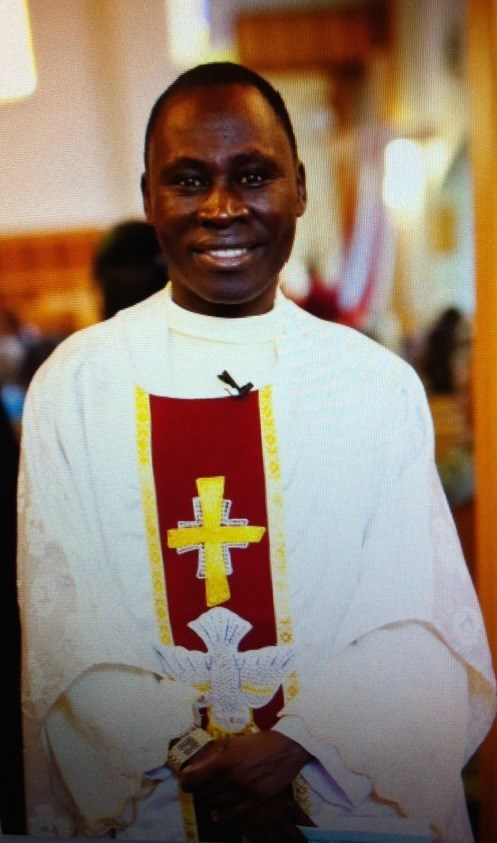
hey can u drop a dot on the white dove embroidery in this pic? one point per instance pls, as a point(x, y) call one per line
point(236, 682)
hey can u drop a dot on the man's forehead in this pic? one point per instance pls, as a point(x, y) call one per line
point(224, 107)
point(229, 115)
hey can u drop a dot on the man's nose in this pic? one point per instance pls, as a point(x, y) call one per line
point(222, 205)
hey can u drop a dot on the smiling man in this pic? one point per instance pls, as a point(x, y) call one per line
point(244, 605)
point(223, 188)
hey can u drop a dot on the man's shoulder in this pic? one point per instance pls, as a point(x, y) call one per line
point(335, 347)
point(97, 346)
point(78, 349)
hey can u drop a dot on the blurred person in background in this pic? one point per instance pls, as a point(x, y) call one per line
point(445, 365)
point(15, 341)
point(12, 345)
point(446, 368)
point(128, 265)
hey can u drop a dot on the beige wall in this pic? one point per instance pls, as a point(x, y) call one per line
point(71, 153)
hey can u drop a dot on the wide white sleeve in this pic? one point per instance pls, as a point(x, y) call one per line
point(406, 691)
point(71, 597)
point(69, 584)
point(395, 706)
point(110, 727)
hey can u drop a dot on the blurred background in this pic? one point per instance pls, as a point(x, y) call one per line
point(393, 107)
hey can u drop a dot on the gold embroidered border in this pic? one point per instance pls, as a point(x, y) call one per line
point(279, 571)
point(188, 811)
point(301, 794)
point(279, 566)
point(143, 435)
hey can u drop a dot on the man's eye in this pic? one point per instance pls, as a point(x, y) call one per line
point(188, 182)
point(253, 179)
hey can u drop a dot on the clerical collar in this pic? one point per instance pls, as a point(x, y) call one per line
point(248, 329)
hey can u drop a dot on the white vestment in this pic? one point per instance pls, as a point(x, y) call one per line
point(396, 686)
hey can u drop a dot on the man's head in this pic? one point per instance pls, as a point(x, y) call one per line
point(223, 187)
point(128, 265)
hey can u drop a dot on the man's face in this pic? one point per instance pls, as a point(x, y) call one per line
point(223, 191)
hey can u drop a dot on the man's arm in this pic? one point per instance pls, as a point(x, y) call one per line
point(395, 705)
point(111, 726)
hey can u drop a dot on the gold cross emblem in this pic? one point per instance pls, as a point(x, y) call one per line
point(212, 534)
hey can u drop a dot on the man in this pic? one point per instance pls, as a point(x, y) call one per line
point(245, 608)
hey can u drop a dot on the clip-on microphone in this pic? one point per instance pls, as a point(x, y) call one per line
point(241, 390)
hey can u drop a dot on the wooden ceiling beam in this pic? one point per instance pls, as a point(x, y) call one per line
point(335, 39)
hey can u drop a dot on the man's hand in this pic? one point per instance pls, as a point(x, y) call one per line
point(275, 821)
point(236, 776)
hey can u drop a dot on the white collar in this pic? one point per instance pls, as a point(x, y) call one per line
point(242, 330)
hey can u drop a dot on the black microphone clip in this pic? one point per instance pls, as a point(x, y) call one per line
point(242, 391)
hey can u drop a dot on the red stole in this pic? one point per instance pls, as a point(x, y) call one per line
point(212, 450)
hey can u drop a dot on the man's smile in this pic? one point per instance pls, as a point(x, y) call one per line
point(225, 257)
point(226, 253)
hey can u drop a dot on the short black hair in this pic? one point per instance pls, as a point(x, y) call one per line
point(222, 73)
point(128, 265)
point(131, 242)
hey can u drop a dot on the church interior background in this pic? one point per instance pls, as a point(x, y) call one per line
point(379, 94)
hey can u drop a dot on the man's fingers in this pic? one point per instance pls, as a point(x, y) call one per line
point(277, 812)
point(222, 801)
point(266, 827)
point(208, 789)
point(203, 766)
point(270, 835)
point(234, 810)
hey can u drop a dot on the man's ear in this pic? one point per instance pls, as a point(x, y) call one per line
point(145, 195)
point(301, 189)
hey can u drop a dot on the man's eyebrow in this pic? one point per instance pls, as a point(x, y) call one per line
point(253, 155)
point(248, 156)
point(184, 161)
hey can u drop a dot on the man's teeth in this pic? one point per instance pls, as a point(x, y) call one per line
point(228, 253)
